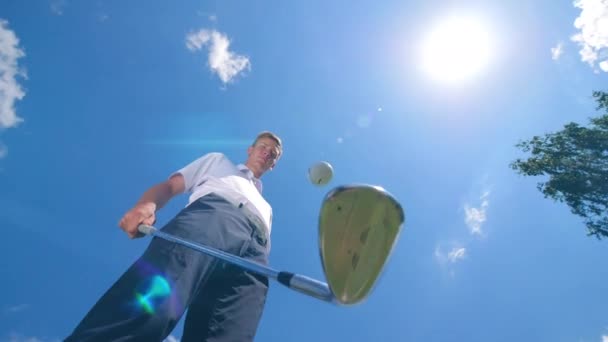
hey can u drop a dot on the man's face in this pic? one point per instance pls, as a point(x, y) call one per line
point(263, 155)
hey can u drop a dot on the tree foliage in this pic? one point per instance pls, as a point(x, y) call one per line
point(576, 161)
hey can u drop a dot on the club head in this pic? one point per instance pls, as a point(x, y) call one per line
point(358, 228)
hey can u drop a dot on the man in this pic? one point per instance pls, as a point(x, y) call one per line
point(227, 211)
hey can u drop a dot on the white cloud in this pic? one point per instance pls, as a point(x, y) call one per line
point(592, 24)
point(475, 217)
point(456, 254)
point(605, 338)
point(10, 90)
point(448, 255)
point(225, 63)
point(439, 255)
point(57, 6)
point(171, 338)
point(557, 51)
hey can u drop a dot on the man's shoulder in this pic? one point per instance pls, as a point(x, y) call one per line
point(217, 157)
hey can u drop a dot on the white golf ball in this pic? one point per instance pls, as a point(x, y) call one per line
point(320, 173)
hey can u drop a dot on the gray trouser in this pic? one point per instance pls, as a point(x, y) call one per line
point(224, 302)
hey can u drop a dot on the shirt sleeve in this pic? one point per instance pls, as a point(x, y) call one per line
point(196, 172)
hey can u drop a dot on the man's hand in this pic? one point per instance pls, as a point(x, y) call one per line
point(153, 199)
point(141, 213)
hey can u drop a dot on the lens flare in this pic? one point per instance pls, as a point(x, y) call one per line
point(197, 143)
point(159, 289)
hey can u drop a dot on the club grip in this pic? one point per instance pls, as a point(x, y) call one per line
point(146, 229)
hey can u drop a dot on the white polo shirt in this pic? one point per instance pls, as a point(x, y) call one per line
point(215, 173)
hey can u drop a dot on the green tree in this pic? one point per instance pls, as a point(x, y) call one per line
point(576, 161)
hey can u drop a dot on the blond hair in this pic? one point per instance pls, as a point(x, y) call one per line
point(270, 135)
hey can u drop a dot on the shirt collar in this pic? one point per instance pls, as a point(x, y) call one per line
point(256, 181)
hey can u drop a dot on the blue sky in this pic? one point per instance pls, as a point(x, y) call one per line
point(101, 99)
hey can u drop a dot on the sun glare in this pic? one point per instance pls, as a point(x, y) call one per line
point(456, 50)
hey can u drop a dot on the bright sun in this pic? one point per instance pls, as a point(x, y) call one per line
point(457, 49)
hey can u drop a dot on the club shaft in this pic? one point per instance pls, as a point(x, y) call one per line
point(297, 282)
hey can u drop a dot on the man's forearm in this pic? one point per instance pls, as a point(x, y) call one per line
point(158, 195)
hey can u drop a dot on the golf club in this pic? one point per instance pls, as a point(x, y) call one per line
point(358, 228)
